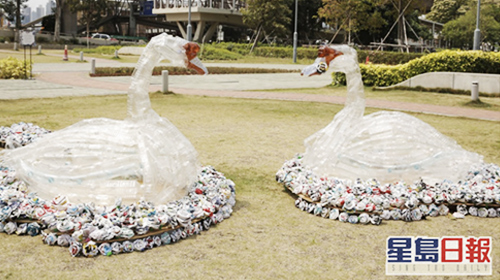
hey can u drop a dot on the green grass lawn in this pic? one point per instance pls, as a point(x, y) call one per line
point(434, 98)
point(266, 237)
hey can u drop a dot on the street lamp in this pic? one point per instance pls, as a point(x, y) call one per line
point(189, 28)
point(295, 35)
point(477, 32)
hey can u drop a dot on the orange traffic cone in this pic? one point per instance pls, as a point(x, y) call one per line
point(65, 57)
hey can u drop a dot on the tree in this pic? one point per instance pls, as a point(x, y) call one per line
point(460, 32)
point(91, 12)
point(308, 21)
point(353, 15)
point(12, 10)
point(446, 10)
point(57, 15)
point(270, 17)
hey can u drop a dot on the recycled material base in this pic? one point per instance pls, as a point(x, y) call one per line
point(369, 202)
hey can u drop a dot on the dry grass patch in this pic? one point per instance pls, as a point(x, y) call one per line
point(266, 237)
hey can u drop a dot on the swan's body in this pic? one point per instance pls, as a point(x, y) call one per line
point(100, 160)
point(387, 146)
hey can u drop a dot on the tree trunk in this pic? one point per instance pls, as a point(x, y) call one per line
point(57, 24)
point(18, 24)
point(256, 39)
point(88, 34)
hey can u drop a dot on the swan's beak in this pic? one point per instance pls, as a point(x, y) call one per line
point(192, 61)
point(321, 64)
point(197, 66)
point(317, 68)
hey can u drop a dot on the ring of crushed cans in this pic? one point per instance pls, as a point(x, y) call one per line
point(369, 202)
point(20, 134)
point(90, 230)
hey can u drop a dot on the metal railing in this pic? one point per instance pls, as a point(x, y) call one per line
point(213, 4)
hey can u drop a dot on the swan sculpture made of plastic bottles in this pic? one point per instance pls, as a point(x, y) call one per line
point(100, 160)
point(387, 146)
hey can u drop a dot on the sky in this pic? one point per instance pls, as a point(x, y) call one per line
point(33, 4)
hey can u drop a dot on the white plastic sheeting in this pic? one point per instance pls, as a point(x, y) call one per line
point(388, 146)
point(100, 160)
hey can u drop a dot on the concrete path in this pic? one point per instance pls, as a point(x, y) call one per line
point(72, 79)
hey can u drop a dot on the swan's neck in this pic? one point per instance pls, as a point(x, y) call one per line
point(355, 89)
point(139, 104)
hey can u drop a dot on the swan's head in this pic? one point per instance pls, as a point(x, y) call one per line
point(192, 61)
point(327, 55)
point(178, 51)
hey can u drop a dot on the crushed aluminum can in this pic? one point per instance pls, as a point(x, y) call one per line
point(64, 240)
point(33, 229)
point(343, 217)
point(139, 245)
point(364, 218)
point(10, 227)
point(353, 219)
point(116, 248)
point(334, 214)
point(90, 249)
point(375, 220)
point(128, 247)
point(105, 249)
point(482, 212)
point(462, 209)
point(473, 211)
point(21, 229)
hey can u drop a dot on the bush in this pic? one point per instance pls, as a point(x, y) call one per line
point(390, 58)
point(13, 68)
point(211, 53)
point(172, 70)
point(109, 50)
point(445, 61)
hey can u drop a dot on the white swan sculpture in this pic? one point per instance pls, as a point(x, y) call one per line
point(100, 160)
point(388, 146)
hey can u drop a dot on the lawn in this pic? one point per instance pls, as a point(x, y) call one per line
point(266, 237)
point(434, 98)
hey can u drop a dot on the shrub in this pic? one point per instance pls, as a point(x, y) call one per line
point(445, 61)
point(109, 50)
point(210, 53)
point(13, 68)
point(172, 70)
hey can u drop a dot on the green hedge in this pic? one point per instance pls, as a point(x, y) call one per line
point(110, 50)
point(222, 51)
point(209, 52)
point(13, 68)
point(444, 61)
point(127, 71)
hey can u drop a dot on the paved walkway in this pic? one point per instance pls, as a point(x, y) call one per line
point(72, 79)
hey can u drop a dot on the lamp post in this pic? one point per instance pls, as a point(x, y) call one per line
point(189, 28)
point(295, 35)
point(477, 32)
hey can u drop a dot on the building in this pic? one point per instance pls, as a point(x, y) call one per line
point(40, 12)
point(26, 15)
point(49, 7)
point(206, 15)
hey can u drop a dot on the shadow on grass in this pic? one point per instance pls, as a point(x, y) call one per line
point(478, 104)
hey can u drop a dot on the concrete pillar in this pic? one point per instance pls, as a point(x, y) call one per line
point(474, 91)
point(92, 66)
point(164, 81)
point(81, 56)
point(39, 49)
